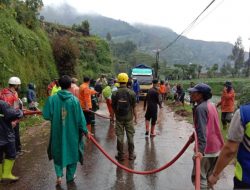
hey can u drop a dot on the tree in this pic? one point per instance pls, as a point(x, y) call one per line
point(237, 56)
point(212, 70)
point(66, 53)
point(108, 37)
point(199, 68)
point(247, 67)
point(34, 5)
point(83, 28)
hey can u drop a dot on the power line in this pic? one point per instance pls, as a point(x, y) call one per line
point(219, 4)
point(188, 28)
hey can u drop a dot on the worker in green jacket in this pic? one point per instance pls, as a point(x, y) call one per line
point(67, 128)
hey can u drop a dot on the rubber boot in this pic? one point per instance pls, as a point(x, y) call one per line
point(152, 133)
point(147, 128)
point(1, 171)
point(7, 171)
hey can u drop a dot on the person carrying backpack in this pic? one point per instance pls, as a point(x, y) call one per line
point(124, 106)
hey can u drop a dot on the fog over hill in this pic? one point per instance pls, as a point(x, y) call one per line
point(147, 38)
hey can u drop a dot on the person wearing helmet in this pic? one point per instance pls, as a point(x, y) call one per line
point(124, 106)
point(10, 96)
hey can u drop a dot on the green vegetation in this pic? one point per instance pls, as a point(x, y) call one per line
point(24, 52)
point(217, 84)
point(37, 52)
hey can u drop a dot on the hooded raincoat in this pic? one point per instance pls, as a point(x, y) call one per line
point(67, 127)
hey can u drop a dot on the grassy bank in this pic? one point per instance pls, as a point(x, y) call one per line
point(217, 83)
point(186, 112)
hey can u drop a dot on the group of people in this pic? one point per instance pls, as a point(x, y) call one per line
point(70, 110)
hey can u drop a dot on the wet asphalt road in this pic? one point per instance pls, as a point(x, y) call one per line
point(98, 173)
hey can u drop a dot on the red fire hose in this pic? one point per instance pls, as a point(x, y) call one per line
point(197, 164)
point(28, 112)
point(143, 172)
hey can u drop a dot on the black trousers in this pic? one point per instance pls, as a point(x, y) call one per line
point(17, 138)
point(9, 150)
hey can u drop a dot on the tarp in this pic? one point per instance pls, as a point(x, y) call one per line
point(142, 70)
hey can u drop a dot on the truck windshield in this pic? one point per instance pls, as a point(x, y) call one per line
point(144, 79)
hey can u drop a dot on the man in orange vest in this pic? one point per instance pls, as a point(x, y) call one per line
point(227, 104)
point(85, 94)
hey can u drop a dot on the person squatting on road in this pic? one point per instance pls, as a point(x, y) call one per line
point(124, 106)
point(206, 123)
point(7, 141)
point(152, 102)
point(227, 104)
point(238, 143)
point(85, 94)
point(68, 125)
point(10, 96)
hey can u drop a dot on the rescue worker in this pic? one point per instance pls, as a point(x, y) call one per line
point(136, 89)
point(85, 94)
point(180, 94)
point(55, 88)
point(102, 81)
point(50, 86)
point(10, 96)
point(162, 91)
point(206, 123)
point(227, 104)
point(124, 106)
point(68, 125)
point(152, 102)
point(31, 97)
point(95, 105)
point(7, 141)
point(238, 142)
point(74, 89)
point(107, 92)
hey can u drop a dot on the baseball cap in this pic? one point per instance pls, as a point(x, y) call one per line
point(201, 87)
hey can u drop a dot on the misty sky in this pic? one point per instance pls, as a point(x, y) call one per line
point(225, 20)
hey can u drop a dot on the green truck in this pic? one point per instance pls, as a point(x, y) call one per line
point(144, 76)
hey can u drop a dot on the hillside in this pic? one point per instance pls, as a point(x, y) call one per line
point(147, 38)
point(24, 53)
point(30, 52)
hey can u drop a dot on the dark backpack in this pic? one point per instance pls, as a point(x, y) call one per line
point(123, 103)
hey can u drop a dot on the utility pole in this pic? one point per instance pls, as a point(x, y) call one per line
point(157, 63)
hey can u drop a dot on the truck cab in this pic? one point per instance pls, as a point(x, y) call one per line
point(144, 76)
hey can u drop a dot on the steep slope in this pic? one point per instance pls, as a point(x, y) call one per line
point(24, 53)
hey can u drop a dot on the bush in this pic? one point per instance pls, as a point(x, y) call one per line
point(65, 53)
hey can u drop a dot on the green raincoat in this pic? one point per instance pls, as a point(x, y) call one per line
point(67, 127)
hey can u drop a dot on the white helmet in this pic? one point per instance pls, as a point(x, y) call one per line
point(14, 81)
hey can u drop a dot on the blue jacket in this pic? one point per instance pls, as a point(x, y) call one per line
point(7, 115)
point(136, 87)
